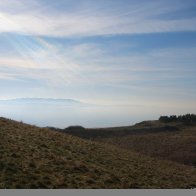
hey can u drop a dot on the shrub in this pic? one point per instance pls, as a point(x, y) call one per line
point(188, 118)
point(75, 128)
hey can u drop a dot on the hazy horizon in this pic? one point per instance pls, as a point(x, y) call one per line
point(133, 60)
point(61, 114)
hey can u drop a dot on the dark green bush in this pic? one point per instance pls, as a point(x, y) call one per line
point(187, 118)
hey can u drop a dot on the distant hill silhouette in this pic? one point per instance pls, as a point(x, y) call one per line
point(42, 101)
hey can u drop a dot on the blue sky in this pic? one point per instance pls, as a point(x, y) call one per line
point(107, 51)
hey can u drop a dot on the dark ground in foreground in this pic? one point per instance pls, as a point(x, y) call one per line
point(33, 157)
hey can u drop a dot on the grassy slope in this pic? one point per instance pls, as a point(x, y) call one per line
point(32, 157)
point(170, 141)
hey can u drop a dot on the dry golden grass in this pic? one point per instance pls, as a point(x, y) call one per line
point(32, 157)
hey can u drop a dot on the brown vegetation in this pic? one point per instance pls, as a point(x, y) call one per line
point(32, 157)
point(173, 141)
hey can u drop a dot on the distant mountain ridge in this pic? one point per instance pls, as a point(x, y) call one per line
point(41, 100)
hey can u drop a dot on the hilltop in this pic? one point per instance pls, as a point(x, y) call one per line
point(33, 157)
point(175, 141)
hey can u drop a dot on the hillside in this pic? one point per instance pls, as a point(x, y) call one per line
point(32, 157)
point(173, 141)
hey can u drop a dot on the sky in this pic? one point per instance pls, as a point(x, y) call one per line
point(109, 52)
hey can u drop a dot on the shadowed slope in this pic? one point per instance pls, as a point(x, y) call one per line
point(31, 157)
point(173, 141)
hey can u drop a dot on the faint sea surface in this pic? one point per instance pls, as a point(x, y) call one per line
point(63, 115)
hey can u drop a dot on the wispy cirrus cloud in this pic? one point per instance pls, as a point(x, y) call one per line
point(88, 19)
point(153, 77)
point(89, 64)
point(109, 52)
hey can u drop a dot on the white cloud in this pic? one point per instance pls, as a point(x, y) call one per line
point(17, 62)
point(47, 66)
point(141, 18)
point(7, 76)
point(85, 50)
point(59, 67)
